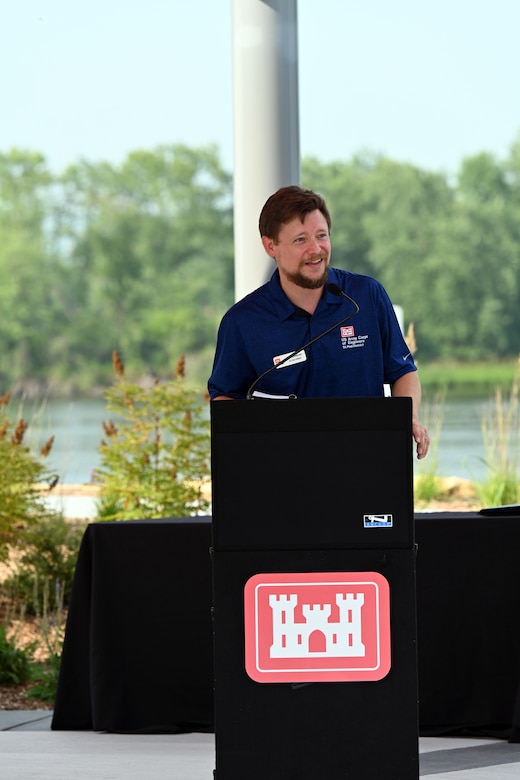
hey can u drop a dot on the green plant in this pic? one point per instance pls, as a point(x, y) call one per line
point(428, 486)
point(15, 662)
point(51, 633)
point(501, 436)
point(45, 676)
point(156, 461)
point(21, 471)
point(45, 567)
point(38, 662)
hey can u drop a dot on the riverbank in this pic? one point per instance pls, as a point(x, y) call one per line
point(79, 501)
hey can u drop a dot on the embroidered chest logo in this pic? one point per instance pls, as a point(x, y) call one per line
point(349, 340)
point(317, 627)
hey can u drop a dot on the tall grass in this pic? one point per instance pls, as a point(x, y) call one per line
point(428, 485)
point(501, 435)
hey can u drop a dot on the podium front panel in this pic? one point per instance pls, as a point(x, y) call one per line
point(327, 730)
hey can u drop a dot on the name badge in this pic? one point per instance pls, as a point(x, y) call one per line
point(300, 357)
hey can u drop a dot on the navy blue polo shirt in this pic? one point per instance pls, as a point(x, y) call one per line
point(355, 359)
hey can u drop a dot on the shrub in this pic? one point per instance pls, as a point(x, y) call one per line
point(21, 503)
point(156, 461)
point(45, 567)
point(15, 662)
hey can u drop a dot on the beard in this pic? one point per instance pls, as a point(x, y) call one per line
point(309, 284)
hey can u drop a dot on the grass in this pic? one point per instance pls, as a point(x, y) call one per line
point(501, 434)
point(467, 380)
point(500, 425)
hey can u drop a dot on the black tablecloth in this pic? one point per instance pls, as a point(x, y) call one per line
point(137, 655)
point(468, 624)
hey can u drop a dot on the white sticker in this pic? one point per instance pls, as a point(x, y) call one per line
point(378, 521)
point(300, 357)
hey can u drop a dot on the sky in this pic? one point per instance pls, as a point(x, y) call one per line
point(428, 83)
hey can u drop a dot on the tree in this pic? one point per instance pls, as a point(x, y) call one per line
point(28, 268)
point(154, 253)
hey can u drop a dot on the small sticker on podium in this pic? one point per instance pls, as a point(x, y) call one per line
point(317, 627)
point(378, 521)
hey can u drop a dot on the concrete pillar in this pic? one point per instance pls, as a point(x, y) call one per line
point(265, 124)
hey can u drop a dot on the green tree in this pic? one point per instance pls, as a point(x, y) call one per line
point(28, 268)
point(480, 287)
point(153, 253)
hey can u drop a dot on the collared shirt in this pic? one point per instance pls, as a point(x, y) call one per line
point(355, 359)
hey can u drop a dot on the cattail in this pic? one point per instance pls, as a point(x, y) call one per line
point(410, 339)
point(109, 428)
point(117, 364)
point(128, 402)
point(3, 430)
point(19, 431)
point(181, 367)
point(47, 447)
point(5, 398)
point(206, 396)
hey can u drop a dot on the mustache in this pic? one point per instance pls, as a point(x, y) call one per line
point(319, 256)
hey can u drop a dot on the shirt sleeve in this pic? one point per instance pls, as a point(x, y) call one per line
point(230, 365)
point(397, 357)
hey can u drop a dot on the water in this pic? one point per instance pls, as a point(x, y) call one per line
point(457, 444)
point(77, 427)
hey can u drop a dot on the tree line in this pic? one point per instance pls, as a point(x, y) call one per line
point(138, 258)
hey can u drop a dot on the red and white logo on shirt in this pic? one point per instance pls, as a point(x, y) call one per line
point(347, 331)
point(312, 627)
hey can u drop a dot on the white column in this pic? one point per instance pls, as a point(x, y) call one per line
point(266, 126)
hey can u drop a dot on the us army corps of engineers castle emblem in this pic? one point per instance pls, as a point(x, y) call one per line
point(317, 626)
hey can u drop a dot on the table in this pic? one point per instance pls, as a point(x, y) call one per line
point(137, 655)
point(468, 615)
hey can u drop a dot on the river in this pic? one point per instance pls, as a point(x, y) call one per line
point(457, 450)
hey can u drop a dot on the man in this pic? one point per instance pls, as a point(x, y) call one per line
point(259, 346)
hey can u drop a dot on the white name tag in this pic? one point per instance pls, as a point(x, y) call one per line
point(300, 357)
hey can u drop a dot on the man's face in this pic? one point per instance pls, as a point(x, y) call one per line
point(302, 251)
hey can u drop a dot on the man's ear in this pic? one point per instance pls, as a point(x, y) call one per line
point(268, 245)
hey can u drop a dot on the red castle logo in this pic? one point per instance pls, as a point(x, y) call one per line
point(319, 626)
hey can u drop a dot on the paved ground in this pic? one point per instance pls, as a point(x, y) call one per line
point(29, 749)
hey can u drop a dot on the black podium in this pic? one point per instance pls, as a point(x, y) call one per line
point(315, 658)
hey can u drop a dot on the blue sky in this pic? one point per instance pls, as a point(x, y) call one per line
point(427, 83)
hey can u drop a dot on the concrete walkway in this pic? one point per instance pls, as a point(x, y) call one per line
point(30, 750)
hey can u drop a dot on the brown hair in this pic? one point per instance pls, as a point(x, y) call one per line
point(286, 204)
